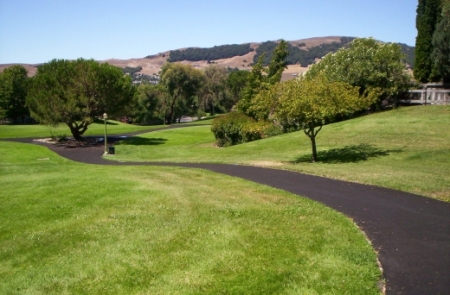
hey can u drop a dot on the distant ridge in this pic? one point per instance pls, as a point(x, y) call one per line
point(303, 52)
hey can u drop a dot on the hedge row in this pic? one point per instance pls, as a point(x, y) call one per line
point(235, 128)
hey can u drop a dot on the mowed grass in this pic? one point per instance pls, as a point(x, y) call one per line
point(406, 149)
point(71, 228)
point(96, 128)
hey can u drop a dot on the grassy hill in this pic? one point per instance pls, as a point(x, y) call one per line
point(405, 149)
point(72, 228)
point(68, 227)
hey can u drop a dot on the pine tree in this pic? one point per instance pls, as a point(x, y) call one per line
point(428, 14)
point(441, 41)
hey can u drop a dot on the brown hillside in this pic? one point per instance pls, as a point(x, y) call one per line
point(30, 68)
point(152, 65)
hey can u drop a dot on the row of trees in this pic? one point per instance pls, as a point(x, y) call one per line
point(13, 91)
point(76, 92)
point(185, 90)
point(363, 75)
point(213, 53)
point(298, 54)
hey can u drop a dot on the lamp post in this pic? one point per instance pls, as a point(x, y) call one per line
point(105, 116)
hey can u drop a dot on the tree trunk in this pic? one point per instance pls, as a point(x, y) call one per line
point(169, 117)
point(76, 134)
point(78, 130)
point(309, 131)
point(211, 108)
point(314, 148)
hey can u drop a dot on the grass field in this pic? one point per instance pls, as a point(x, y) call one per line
point(97, 128)
point(406, 149)
point(71, 228)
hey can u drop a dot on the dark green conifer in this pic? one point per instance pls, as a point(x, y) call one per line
point(428, 14)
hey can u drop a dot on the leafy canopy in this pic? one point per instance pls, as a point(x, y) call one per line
point(213, 89)
point(13, 92)
point(261, 77)
point(76, 92)
point(428, 12)
point(150, 104)
point(311, 103)
point(367, 64)
point(441, 43)
point(182, 83)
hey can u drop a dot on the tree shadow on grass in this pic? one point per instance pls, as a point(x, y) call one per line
point(347, 154)
point(136, 140)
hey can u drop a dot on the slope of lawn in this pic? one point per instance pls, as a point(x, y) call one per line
point(96, 128)
point(406, 149)
point(71, 228)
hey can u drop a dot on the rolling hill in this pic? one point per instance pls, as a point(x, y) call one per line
point(303, 53)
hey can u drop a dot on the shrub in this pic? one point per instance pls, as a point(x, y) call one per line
point(235, 128)
point(58, 138)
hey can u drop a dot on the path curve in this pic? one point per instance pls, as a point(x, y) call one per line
point(411, 233)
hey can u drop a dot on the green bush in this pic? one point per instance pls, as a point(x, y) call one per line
point(58, 138)
point(235, 128)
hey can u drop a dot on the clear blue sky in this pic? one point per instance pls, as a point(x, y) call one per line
point(36, 31)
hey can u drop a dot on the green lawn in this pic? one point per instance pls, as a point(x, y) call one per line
point(71, 228)
point(406, 149)
point(97, 128)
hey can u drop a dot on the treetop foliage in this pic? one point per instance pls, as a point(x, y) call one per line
point(307, 56)
point(262, 77)
point(76, 92)
point(314, 102)
point(182, 83)
point(366, 63)
point(213, 53)
point(131, 70)
point(299, 54)
point(441, 41)
point(428, 14)
point(13, 91)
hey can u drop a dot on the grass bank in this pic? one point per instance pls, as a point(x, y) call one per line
point(70, 228)
point(97, 128)
point(406, 149)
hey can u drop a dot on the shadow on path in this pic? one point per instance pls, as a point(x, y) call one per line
point(136, 140)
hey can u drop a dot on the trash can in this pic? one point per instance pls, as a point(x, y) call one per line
point(111, 150)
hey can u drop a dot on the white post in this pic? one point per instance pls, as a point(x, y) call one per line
point(105, 116)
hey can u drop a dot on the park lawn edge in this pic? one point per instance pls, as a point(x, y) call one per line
point(45, 166)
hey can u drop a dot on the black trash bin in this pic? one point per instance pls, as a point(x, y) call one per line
point(111, 150)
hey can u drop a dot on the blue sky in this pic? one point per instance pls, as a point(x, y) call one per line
point(36, 31)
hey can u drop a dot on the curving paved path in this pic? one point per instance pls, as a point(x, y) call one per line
point(411, 233)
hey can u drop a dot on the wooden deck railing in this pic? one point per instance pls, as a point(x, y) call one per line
point(428, 96)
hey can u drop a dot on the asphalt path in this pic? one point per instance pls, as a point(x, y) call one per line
point(411, 233)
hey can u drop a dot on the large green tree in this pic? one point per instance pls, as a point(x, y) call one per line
point(150, 103)
point(261, 78)
point(367, 63)
point(182, 83)
point(314, 102)
point(441, 43)
point(76, 92)
point(213, 90)
point(13, 92)
point(236, 82)
point(428, 14)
